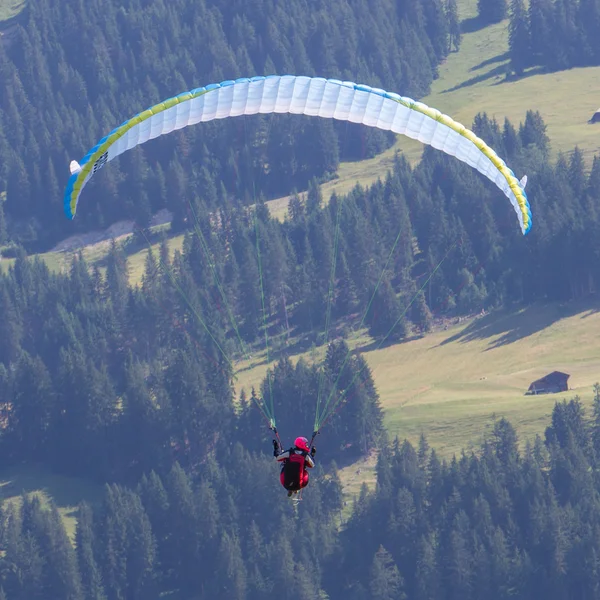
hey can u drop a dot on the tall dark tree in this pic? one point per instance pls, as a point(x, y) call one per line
point(518, 37)
point(540, 27)
point(454, 31)
point(86, 549)
point(3, 228)
point(33, 405)
point(385, 318)
point(386, 582)
point(11, 330)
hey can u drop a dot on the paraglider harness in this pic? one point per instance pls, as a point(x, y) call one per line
point(292, 468)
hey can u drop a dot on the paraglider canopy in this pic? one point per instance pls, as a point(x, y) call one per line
point(311, 96)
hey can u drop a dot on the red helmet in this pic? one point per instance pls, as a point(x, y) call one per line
point(302, 443)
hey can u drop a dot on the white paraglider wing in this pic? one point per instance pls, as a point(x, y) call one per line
point(312, 96)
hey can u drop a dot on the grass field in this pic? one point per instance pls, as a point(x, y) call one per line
point(451, 384)
point(10, 8)
point(473, 80)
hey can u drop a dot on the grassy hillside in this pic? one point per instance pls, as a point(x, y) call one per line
point(9, 9)
point(474, 80)
point(452, 384)
point(449, 384)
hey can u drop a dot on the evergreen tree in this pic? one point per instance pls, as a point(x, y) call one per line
point(426, 573)
point(384, 317)
point(91, 580)
point(32, 406)
point(141, 553)
point(62, 578)
point(3, 229)
point(250, 291)
point(156, 504)
point(504, 441)
point(117, 279)
point(540, 27)
point(421, 315)
point(184, 550)
point(142, 437)
point(454, 32)
point(518, 37)
point(11, 330)
point(230, 577)
point(386, 582)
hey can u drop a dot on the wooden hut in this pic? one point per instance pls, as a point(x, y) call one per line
point(550, 384)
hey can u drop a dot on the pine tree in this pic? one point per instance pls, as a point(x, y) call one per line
point(91, 579)
point(3, 229)
point(142, 437)
point(111, 536)
point(518, 37)
point(420, 314)
point(230, 576)
point(384, 317)
point(456, 558)
point(250, 291)
point(540, 27)
point(346, 297)
point(577, 175)
point(32, 407)
point(314, 198)
point(386, 582)
point(141, 553)
point(156, 503)
point(427, 584)
point(31, 564)
point(117, 278)
point(85, 411)
point(62, 576)
point(505, 443)
point(511, 140)
point(184, 549)
point(454, 32)
point(11, 330)
point(177, 198)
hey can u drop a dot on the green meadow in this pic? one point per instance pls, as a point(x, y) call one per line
point(10, 8)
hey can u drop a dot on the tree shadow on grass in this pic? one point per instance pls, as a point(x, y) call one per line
point(513, 78)
point(472, 25)
point(377, 344)
point(490, 61)
point(495, 72)
point(508, 326)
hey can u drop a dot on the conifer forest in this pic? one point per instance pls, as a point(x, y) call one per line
point(131, 385)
